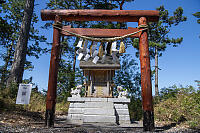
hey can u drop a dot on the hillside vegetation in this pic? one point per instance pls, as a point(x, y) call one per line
point(37, 102)
point(180, 105)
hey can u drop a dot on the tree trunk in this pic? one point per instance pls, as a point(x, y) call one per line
point(156, 71)
point(17, 70)
point(5, 67)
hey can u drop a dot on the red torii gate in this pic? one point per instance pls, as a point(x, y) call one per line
point(140, 16)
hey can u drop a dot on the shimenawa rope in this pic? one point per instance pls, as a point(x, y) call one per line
point(58, 25)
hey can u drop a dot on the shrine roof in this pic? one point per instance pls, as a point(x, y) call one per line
point(107, 64)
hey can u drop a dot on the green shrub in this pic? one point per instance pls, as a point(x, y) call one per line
point(62, 107)
point(135, 109)
point(37, 102)
point(182, 106)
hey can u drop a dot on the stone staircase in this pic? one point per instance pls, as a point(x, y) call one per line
point(98, 110)
point(101, 111)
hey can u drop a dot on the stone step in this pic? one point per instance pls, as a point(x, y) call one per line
point(75, 116)
point(122, 111)
point(76, 105)
point(121, 106)
point(99, 118)
point(99, 105)
point(99, 111)
point(76, 110)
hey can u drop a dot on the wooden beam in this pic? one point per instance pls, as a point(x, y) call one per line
point(100, 32)
point(101, 15)
point(147, 101)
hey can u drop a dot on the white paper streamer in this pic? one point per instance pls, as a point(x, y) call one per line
point(80, 56)
point(95, 59)
point(86, 57)
point(114, 46)
point(80, 43)
point(106, 44)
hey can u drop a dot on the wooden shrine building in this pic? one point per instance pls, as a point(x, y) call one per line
point(99, 77)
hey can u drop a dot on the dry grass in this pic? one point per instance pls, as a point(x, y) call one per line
point(183, 108)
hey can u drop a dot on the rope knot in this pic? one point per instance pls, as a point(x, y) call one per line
point(57, 24)
point(142, 26)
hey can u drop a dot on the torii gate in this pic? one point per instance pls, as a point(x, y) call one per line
point(140, 16)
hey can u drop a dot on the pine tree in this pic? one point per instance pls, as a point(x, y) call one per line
point(17, 70)
point(12, 12)
point(159, 35)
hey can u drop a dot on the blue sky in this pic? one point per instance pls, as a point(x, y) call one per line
point(179, 65)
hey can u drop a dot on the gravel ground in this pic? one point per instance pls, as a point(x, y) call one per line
point(27, 122)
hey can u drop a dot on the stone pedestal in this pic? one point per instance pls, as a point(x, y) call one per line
point(100, 110)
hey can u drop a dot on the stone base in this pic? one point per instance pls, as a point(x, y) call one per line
point(100, 110)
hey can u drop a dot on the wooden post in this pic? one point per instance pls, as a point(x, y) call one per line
point(148, 114)
point(53, 71)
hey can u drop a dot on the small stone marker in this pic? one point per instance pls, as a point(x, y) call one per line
point(24, 93)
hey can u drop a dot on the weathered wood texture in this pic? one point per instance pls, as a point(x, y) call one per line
point(148, 118)
point(53, 71)
point(101, 15)
point(100, 32)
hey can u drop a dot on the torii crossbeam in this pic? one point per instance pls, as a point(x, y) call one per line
point(140, 16)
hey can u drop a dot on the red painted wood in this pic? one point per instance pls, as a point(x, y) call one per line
point(101, 15)
point(53, 71)
point(100, 32)
point(148, 116)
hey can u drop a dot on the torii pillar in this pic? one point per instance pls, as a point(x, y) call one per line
point(147, 104)
point(53, 72)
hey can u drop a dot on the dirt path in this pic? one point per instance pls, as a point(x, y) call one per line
point(34, 123)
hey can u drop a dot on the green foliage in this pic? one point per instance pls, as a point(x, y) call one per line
point(179, 104)
point(37, 102)
point(129, 78)
point(11, 16)
point(62, 107)
point(66, 78)
point(159, 32)
point(135, 109)
point(197, 14)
